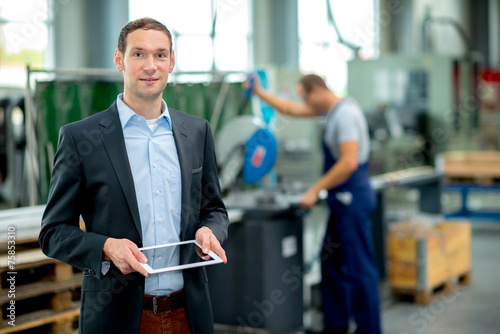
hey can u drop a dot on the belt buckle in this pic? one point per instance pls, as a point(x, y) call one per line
point(155, 304)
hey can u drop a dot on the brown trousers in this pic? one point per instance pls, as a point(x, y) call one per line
point(174, 322)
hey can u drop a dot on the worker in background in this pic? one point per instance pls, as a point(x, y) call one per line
point(349, 287)
point(140, 174)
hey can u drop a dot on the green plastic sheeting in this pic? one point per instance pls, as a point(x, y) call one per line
point(61, 102)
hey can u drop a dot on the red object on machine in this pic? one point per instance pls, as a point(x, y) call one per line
point(491, 75)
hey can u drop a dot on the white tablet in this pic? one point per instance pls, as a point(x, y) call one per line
point(159, 257)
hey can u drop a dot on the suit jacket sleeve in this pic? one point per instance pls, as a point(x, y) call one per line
point(213, 213)
point(60, 235)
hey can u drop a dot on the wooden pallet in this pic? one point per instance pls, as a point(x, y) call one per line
point(427, 295)
point(476, 180)
point(424, 257)
point(32, 266)
point(47, 293)
point(477, 166)
point(55, 322)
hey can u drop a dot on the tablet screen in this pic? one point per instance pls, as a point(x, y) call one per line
point(161, 257)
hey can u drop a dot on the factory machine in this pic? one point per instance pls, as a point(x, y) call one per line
point(416, 106)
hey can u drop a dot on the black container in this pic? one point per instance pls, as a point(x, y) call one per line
point(261, 285)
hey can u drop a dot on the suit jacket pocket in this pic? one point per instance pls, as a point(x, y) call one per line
point(90, 283)
point(197, 170)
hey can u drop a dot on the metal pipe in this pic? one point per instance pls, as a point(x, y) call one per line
point(31, 161)
point(219, 104)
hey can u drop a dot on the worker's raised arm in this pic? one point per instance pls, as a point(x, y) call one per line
point(286, 107)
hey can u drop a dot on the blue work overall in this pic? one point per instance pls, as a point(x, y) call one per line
point(349, 286)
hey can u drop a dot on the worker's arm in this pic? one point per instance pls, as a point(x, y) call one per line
point(286, 107)
point(338, 173)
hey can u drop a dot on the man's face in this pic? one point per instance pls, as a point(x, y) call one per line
point(312, 99)
point(146, 64)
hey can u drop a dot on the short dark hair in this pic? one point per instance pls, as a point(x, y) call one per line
point(145, 23)
point(310, 80)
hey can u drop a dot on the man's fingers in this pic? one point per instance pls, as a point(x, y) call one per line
point(199, 252)
point(140, 269)
point(125, 255)
point(139, 255)
point(209, 242)
point(133, 266)
point(222, 254)
point(217, 249)
point(256, 79)
point(205, 246)
point(139, 258)
point(135, 261)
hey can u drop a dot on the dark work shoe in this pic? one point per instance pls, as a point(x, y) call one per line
point(335, 330)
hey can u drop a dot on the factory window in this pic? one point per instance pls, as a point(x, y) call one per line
point(197, 48)
point(24, 27)
point(320, 51)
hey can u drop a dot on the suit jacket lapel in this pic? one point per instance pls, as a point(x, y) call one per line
point(114, 143)
point(184, 147)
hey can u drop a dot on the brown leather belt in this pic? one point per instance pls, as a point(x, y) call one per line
point(164, 303)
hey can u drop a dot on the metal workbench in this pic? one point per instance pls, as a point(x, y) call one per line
point(426, 180)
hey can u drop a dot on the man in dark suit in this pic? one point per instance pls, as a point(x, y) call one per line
point(139, 174)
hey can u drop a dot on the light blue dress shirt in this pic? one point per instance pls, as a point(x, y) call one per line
point(156, 172)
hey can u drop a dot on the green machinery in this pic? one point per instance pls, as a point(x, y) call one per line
point(57, 102)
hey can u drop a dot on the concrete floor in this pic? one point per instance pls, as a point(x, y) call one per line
point(473, 309)
point(467, 310)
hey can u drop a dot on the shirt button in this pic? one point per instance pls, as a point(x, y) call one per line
point(159, 257)
point(154, 165)
point(164, 276)
point(160, 220)
point(158, 192)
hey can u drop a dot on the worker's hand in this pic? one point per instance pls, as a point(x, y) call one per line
point(257, 85)
point(209, 242)
point(125, 255)
point(309, 199)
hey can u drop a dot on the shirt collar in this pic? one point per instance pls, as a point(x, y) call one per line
point(126, 113)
